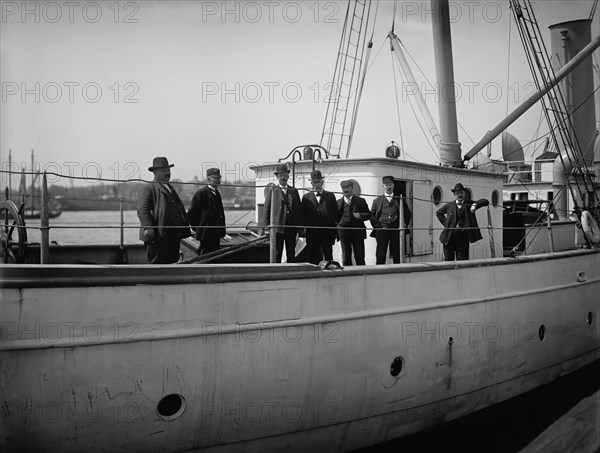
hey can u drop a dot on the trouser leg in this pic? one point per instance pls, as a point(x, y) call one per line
point(395, 245)
point(289, 235)
point(381, 251)
point(359, 251)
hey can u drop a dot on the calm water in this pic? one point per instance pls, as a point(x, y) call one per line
point(103, 227)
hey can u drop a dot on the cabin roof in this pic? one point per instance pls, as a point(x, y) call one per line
point(389, 162)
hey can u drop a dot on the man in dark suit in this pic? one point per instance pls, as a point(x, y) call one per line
point(162, 216)
point(352, 213)
point(319, 209)
point(206, 213)
point(460, 224)
point(282, 213)
point(385, 218)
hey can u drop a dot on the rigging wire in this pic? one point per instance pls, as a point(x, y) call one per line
point(333, 105)
point(374, 21)
point(508, 67)
point(427, 80)
point(397, 103)
point(541, 137)
point(427, 137)
point(361, 78)
point(526, 26)
point(593, 11)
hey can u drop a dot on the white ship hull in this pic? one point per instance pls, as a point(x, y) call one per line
point(267, 358)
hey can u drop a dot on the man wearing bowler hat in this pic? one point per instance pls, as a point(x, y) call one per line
point(352, 213)
point(385, 218)
point(286, 218)
point(162, 216)
point(460, 224)
point(319, 208)
point(206, 213)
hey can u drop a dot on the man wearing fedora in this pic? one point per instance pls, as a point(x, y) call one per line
point(460, 224)
point(285, 220)
point(206, 213)
point(162, 216)
point(319, 208)
point(385, 218)
point(352, 213)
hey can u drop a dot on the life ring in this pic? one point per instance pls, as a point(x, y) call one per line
point(590, 227)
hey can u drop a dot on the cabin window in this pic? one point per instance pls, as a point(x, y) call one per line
point(437, 195)
point(495, 198)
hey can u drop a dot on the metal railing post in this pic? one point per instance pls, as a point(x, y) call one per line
point(491, 232)
point(401, 228)
point(44, 224)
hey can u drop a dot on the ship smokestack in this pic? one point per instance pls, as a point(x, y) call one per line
point(567, 39)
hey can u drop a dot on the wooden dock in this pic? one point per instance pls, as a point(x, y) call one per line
point(576, 431)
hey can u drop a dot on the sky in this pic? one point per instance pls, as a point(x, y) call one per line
point(97, 89)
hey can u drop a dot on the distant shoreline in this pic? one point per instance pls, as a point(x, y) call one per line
point(135, 209)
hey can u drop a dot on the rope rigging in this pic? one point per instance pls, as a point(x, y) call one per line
point(543, 74)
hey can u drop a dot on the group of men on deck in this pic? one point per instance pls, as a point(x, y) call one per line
point(326, 220)
point(164, 220)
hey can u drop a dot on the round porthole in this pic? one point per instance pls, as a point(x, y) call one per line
point(437, 195)
point(397, 366)
point(171, 406)
point(495, 198)
point(542, 332)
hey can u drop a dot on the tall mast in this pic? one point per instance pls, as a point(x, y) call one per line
point(450, 153)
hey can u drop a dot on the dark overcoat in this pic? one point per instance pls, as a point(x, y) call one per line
point(320, 214)
point(448, 216)
point(153, 202)
point(205, 210)
point(281, 202)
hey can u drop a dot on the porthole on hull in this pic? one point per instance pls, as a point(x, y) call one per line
point(171, 406)
point(397, 366)
point(542, 332)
